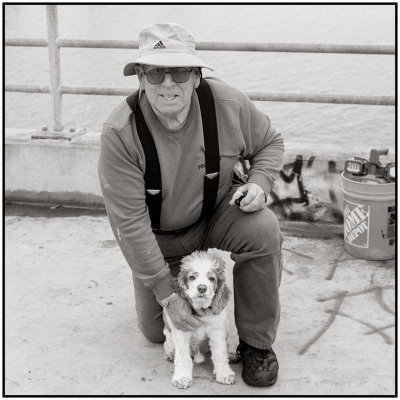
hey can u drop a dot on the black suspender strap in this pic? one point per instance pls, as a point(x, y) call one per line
point(210, 132)
point(152, 176)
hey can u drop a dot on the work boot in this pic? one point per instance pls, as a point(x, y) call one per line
point(260, 367)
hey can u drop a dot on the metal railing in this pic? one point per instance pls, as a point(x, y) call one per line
point(56, 89)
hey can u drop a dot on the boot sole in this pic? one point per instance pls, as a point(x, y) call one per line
point(259, 383)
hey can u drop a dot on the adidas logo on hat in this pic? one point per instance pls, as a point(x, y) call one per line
point(159, 45)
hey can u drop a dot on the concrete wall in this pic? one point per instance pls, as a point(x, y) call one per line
point(52, 171)
point(65, 172)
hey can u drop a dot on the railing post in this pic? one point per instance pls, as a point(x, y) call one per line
point(55, 66)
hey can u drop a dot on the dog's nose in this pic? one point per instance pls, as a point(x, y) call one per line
point(202, 288)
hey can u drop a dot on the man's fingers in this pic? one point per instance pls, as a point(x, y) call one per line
point(250, 208)
point(188, 324)
point(189, 321)
point(181, 314)
point(183, 327)
point(250, 196)
point(254, 201)
point(195, 322)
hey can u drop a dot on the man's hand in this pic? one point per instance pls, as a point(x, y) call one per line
point(180, 312)
point(254, 200)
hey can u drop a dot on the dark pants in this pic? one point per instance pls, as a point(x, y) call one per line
point(254, 240)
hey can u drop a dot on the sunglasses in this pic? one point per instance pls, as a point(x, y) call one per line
point(156, 76)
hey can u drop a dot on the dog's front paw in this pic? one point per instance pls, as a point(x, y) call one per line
point(226, 378)
point(182, 382)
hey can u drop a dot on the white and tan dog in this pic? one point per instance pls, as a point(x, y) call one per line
point(201, 281)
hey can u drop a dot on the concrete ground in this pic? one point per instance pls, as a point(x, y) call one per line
point(70, 324)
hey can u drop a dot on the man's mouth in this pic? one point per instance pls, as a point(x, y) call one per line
point(168, 97)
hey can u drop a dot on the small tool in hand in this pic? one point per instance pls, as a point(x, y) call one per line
point(239, 199)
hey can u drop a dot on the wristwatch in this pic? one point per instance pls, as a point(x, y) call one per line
point(164, 302)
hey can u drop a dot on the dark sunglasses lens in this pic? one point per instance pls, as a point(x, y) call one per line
point(155, 76)
point(179, 75)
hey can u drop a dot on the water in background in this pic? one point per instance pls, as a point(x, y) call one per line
point(350, 126)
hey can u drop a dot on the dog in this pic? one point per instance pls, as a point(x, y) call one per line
point(201, 281)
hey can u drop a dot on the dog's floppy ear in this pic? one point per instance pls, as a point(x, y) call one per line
point(174, 284)
point(220, 299)
point(222, 292)
point(219, 265)
point(178, 283)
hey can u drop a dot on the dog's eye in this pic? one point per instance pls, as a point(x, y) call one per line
point(211, 278)
point(192, 278)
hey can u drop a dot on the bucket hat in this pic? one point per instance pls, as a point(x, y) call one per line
point(166, 45)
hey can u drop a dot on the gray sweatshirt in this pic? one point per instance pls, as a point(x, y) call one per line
point(243, 130)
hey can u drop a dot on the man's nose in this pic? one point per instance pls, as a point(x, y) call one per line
point(168, 81)
point(202, 288)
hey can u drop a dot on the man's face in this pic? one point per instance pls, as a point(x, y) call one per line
point(168, 98)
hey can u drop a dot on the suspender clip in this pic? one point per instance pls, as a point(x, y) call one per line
point(153, 191)
point(212, 175)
